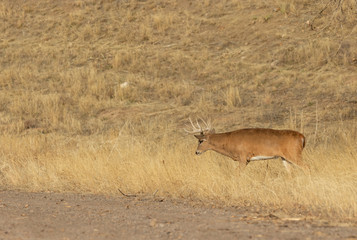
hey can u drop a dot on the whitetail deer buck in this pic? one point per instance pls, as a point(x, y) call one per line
point(252, 144)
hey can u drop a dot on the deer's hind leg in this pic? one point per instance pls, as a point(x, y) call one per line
point(296, 161)
point(287, 165)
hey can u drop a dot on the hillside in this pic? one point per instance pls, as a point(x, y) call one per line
point(241, 63)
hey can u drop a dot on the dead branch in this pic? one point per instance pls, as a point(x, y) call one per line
point(126, 195)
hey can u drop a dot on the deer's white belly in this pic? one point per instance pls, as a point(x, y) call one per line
point(257, 158)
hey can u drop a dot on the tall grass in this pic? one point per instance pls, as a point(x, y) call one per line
point(167, 166)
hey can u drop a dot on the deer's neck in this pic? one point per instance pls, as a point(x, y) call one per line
point(221, 145)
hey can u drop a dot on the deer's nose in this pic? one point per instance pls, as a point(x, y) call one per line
point(198, 152)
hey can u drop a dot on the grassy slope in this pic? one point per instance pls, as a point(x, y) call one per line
point(68, 124)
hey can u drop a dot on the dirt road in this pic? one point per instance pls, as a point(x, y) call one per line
point(75, 216)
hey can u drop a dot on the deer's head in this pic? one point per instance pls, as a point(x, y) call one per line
point(203, 136)
point(203, 142)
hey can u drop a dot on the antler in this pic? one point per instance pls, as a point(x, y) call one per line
point(197, 128)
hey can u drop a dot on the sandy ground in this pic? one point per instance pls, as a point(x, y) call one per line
point(76, 216)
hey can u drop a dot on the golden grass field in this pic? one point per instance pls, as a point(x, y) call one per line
point(94, 96)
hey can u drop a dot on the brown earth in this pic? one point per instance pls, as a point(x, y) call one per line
point(78, 216)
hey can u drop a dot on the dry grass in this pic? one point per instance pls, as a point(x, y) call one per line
point(94, 94)
point(98, 165)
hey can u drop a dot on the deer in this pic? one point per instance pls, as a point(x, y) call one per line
point(252, 144)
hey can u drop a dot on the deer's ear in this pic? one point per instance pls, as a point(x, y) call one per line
point(200, 137)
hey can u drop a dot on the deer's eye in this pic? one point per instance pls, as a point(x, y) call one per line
point(200, 141)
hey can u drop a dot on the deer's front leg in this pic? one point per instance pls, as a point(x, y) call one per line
point(242, 163)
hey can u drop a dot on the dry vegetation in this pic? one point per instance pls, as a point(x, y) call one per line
point(94, 96)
